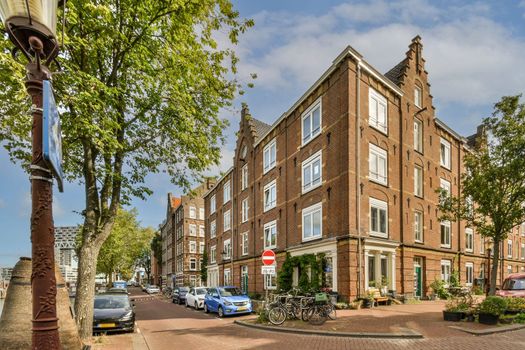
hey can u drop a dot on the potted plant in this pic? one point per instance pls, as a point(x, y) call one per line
point(455, 310)
point(439, 290)
point(491, 309)
point(368, 300)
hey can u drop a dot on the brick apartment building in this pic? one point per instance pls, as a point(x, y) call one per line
point(350, 171)
point(183, 238)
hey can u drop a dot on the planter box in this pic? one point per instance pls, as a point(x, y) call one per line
point(453, 316)
point(488, 319)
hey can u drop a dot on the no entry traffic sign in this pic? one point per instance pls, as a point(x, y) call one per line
point(268, 257)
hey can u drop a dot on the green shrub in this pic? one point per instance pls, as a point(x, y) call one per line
point(493, 305)
point(438, 286)
point(457, 305)
point(516, 304)
point(341, 306)
point(262, 317)
point(520, 318)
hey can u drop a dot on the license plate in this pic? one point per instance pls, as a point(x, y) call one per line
point(242, 308)
point(106, 325)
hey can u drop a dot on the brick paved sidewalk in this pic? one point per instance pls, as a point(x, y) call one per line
point(424, 317)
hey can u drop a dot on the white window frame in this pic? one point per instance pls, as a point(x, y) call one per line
point(379, 205)
point(418, 226)
point(201, 231)
point(244, 177)
point(213, 229)
point(227, 248)
point(469, 239)
point(227, 220)
point(375, 155)
point(193, 247)
point(270, 282)
point(445, 158)
point(469, 277)
point(193, 212)
point(244, 243)
point(310, 211)
point(509, 248)
point(226, 192)
point(213, 254)
point(194, 261)
point(522, 251)
point(377, 122)
point(245, 210)
point(418, 96)
point(271, 150)
point(446, 185)
point(445, 224)
point(305, 139)
point(446, 276)
point(268, 203)
point(418, 181)
point(201, 247)
point(418, 135)
point(193, 230)
point(309, 163)
point(268, 227)
point(201, 213)
point(213, 204)
point(227, 281)
point(481, 244)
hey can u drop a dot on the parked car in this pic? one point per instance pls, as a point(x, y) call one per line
point(152, 289)
point(195, 297)
point(120, 284)
point(113, 312)
point(145, 287)
point(118, 290)
point(513, 286)
point(227, 300)
point(179, 295)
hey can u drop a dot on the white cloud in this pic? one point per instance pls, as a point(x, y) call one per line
point(58, 209)
point(470, 58)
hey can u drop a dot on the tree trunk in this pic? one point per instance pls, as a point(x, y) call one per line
point(87, 269)
point(494, 270)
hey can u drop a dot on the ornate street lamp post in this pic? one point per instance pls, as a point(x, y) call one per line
point(31, 25)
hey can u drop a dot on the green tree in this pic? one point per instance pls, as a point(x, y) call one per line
point(124, 246)
point(141, 87)
point(493, 187)
point(144, 261)
point(204, 267)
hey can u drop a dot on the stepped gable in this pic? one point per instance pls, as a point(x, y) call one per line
point(258, 128)
point(396, 74)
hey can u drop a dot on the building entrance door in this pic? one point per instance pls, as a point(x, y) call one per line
point(418, 278)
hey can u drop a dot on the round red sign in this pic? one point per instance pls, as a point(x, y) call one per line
point(268, 257)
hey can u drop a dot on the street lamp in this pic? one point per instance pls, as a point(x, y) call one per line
point(31, 25)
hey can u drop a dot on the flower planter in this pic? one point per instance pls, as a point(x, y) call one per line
point(488, 318)
point(506, 320)
point(470, 317)
point(453, 316)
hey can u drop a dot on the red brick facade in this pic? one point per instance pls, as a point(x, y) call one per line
point(347, 189)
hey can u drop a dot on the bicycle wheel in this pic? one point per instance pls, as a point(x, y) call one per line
point(305, 313)
point(318, 316)
point(330, 311)
point(294, 309)
point(277, 315)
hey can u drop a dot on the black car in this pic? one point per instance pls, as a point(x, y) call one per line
point(179, 295)
point(113, 312)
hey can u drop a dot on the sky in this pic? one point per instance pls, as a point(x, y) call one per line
point(474, 53)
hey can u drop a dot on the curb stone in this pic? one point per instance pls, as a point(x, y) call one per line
point(408, 334)
point(489, 331)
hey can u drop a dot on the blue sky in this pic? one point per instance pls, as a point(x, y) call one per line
point(474, 52)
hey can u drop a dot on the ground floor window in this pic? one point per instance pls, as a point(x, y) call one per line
point(244, 278)
point(328, 272)
point(227, 277)
point(270, 282)
point(445, 271)
point(380, 267)
point(213, 277)
point(469, 273)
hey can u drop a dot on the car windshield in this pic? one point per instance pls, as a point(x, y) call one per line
point(184, 289)
point(152, 287)
point(230, 292)
point(111, 301)
point(514, 284)
point(200, 291)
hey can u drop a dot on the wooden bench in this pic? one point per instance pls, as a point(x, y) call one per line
point(378, 298)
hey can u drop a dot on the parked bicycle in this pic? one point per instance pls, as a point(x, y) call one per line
point(316, 310)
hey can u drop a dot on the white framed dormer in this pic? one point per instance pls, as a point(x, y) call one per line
point(311, 122)
point(269, 156)
point(213, 204)
point(312, 172)
point(377, 111)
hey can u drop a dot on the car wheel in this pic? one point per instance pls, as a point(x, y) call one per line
point(196, 306)
point(220, 311)
point(206, 308)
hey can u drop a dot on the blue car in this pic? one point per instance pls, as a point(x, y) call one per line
point(227, 301)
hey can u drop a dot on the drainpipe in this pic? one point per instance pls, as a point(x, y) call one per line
point(358, 177)
point(460, 253)
point(401, 198)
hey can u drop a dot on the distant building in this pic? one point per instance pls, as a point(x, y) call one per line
point(65, 255)
point(5, 273)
